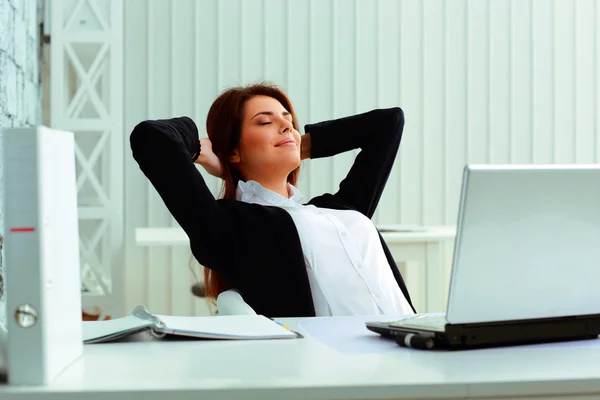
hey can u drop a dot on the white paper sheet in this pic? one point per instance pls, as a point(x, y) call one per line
point(350, 334)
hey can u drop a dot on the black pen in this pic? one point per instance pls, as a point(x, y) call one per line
point(415, 341)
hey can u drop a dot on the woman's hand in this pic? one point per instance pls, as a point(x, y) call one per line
point(208, 160)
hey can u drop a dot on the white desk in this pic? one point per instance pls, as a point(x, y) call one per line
point(426, 281)
point(309, 369)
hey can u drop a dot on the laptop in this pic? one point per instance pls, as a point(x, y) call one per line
point(526, 265)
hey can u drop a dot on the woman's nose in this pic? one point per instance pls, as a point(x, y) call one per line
point(286, 126)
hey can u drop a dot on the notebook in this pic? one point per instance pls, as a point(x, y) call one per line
point(227, 327)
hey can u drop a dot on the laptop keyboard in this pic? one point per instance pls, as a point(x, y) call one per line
point(435, 323)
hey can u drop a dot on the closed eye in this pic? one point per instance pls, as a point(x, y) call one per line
point(264, 123)
point(286, 114)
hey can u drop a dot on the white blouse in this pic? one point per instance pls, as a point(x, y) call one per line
point(348, 271)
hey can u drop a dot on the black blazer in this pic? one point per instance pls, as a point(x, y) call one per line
point(257, 248)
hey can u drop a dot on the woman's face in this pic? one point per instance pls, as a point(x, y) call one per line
point(269, 145)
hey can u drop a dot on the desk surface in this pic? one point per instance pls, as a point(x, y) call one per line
point(309, 369)
point(176, 235)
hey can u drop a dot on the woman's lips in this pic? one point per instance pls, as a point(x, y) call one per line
point(287, 142)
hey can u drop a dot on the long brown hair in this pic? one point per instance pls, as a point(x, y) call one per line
point(223, 125)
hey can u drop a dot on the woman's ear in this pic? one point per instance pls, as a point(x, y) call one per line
point(234, 158)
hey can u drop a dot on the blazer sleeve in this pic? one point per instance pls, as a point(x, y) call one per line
point(163, 150)
point(377, 134)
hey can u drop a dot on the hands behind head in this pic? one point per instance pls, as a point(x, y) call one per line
point(208, 160)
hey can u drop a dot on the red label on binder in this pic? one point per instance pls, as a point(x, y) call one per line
point(23, 229)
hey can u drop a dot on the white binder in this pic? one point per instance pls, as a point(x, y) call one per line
point(41, 247)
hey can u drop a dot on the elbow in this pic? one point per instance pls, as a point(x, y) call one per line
point(139, 143)
point(396, 117)
point(394, 120)
point(146, 140)
point(140, 134)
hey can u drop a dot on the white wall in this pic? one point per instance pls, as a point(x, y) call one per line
point(495, 81)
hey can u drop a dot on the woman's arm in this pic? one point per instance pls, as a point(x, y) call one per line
point(165, 150)
point(305, 146)
point(377, 133)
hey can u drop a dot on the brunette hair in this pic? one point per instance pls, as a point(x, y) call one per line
point(223, 125)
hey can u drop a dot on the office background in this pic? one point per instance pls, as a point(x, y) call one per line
point(480, 81)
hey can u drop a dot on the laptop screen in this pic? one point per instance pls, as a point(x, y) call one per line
point(527, 245)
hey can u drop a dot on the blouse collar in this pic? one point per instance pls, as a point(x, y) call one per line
point(253, 192)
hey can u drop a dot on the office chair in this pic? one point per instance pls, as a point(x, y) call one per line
point(229, 302)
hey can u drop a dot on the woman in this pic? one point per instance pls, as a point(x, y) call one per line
point(286, 259)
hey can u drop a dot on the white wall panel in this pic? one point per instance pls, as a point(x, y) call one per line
point(543, 88)
point(522, 71)
point(456, 92)
point(496, 81)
